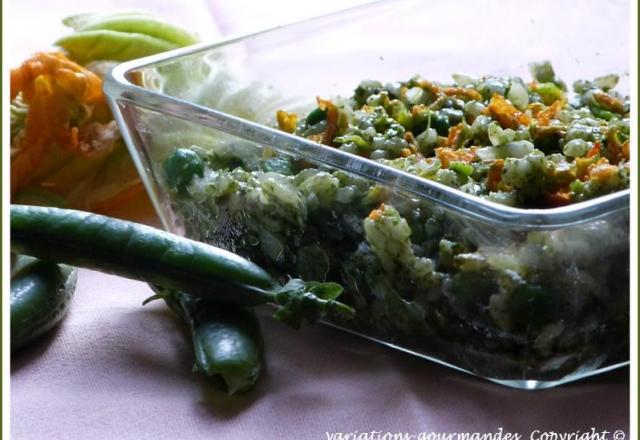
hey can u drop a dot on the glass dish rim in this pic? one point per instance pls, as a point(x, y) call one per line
point(118, 88)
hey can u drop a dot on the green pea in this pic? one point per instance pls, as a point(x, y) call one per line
point(86, 46)
point(440, 123)
point(316, 116)
point(181, 167)
point(455, 116)
point(577, 186)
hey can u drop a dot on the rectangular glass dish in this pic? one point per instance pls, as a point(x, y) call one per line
point(540, 297)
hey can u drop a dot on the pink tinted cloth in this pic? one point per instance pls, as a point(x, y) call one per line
point(117, 370)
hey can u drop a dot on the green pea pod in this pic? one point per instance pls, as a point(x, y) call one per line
point(41, 292)
point(144, 253)
point(142, 24)
point(78, 21)
point(86, 46)
point(227, 341)
point(228, 344)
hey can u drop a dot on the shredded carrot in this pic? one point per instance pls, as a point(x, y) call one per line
point(507, 115)
point(609, 102)
point(377, 213)
point(462, 92)
point(447, 155)
point(417, 109)
point(332, 120)
point(454, 134)
point(545, 116)
point(494, 175)
point(615, 147)
point(428, 85)
point(595, 150)
point(602, 171)
point(558, 198)
point(626, 154)
point(535, 108)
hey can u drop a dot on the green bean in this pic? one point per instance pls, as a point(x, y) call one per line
point(142, 24)
point(92, 45)
point(41, 292)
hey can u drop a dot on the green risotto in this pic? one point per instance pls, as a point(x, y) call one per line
point(525, 145)
point(505, 304)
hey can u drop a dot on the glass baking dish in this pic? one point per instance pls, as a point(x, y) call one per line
point(569, 321)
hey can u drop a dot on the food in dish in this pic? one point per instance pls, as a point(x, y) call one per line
point(505, 303)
